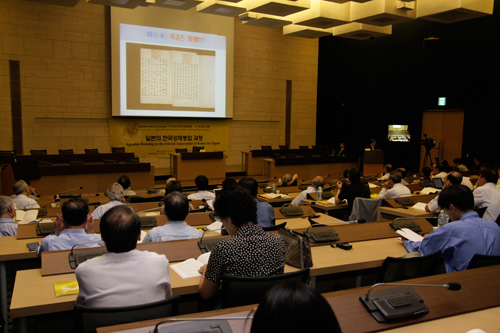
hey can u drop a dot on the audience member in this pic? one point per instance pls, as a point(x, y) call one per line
point(487, 195)
point(265, 212)
point(124, 276)
point(393, 187)
point(403, 173)
point(439, 171)
point(229, 183)
point(317, 182)
point(201, 182)
point(116, 197)
point(453, 178)
point(8, 227)
point(351, 190)
point(467, 235)
point(176, 209)
point(459, 165)
point(22, 192)
point(125, 182)
point(250, 251)
point(283, 304)
point(74, 226)
point(289, 180)
point(386, 173)
point(426, 180)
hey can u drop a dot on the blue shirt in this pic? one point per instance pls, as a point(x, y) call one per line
point(173, 230)
point(67, 239)
point(460, 240)
point(8, 227)
point(265, 214)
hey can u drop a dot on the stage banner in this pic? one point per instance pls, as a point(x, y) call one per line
point(157, 137)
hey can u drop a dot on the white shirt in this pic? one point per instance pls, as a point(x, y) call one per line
point(303, 195)
point(99, 211)
point(488, 196)
point(466, 181)
point(123, 279)
point(23, 202)
point(200, 195)
point(441, 175)
point(398, 190)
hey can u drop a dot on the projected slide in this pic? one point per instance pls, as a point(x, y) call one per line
point(171, 73)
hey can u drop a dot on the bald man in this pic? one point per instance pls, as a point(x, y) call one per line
point(317, 182)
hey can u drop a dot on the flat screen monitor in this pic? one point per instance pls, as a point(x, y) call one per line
point(398, 133)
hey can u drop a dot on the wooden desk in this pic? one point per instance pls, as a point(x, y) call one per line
point(389, 213)
point(186, 166)
point(462, 310)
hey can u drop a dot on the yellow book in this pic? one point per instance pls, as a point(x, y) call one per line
point(66, 288)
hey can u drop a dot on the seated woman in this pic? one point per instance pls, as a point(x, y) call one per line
point(286, 306)
point(250, 251)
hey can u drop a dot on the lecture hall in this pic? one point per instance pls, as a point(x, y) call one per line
point(320, 105)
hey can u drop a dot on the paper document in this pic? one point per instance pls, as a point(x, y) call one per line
point(409, 234)
point(419, 205)
point(26, 216)
point(189, 268)
point(429, 190)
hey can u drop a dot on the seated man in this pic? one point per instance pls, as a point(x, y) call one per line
point(74, 226)
point(202, 187)
point(265, 212)
point(8, 227)
point(317, 182)
point(453, 178)
point(176, 209)
point(487, 194)
point(124, 276)
point(22, 192)
point(393, 187)
point(289, 180)
point(125, 182)
point(466, 236)
point(116, 197)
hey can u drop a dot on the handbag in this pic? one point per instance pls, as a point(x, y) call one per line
point(297, 248)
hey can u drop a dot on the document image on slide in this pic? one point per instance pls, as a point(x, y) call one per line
point(177, 78)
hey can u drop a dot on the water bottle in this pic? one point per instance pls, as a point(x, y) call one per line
point(320, 193)
point(273, 189)
point(442, 218)
point(279, 182)
point(58, 200)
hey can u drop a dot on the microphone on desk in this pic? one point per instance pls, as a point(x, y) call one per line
point(202, 245)
point(75, 260)
point(411, 224)
point(399, 303)
point(328, 235)
point(314, 223)
point(218, 324)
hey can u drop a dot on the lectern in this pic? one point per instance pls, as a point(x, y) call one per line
point(373, 162)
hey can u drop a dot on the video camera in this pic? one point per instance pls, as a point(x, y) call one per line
point(428, 143)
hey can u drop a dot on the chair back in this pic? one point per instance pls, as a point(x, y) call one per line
point(365, 208)
point(65, 151)
point(181, 150)
point(38, 151)
point(91, 151)
point(266, 147)
point(243, 290)
point(89, 318)
point(396, 269)
point(197, 149)
point(483, 260)
point(117, 149)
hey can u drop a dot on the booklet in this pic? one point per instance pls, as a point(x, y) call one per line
point(26, 216)
point(189, 268)
point(66, 288)
point(409, 234)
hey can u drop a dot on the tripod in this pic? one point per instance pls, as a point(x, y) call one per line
point(427, 156)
